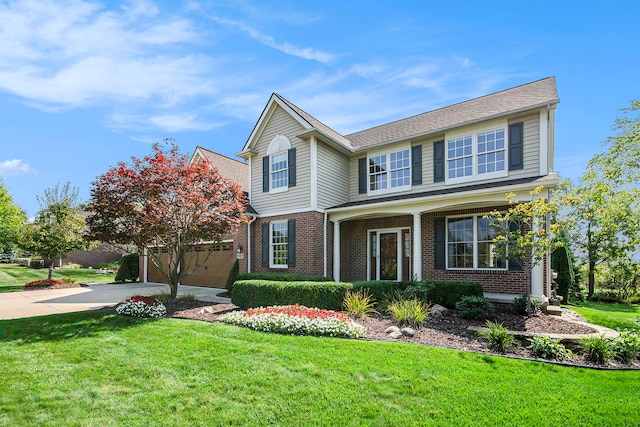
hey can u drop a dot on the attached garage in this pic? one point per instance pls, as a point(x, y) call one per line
point(212, 274)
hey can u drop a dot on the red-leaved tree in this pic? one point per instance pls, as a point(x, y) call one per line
point(165, 201)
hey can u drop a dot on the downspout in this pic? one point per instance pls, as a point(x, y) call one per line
point(325, 244)
point(249, 243)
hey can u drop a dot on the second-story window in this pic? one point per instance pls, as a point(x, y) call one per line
point(476, 155)
point(389, 171)
point(279, 170)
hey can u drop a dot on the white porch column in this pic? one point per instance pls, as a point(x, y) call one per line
point(417, 247)
point(336, 251)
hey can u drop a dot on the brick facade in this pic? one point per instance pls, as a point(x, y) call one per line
point(309, 245)
point(353, 250)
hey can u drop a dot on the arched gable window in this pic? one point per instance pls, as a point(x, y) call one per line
point(279, 166)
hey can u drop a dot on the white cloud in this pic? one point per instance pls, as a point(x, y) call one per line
point(288, 48)
point(15, 167)
point(74, 53)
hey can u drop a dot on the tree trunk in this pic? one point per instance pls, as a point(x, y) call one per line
point(592, 278)
point(50, 277)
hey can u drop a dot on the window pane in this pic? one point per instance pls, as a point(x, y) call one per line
point(279, 243)
point(279, 170)
point(459, 157)
point(460, 242)
point(486, 257)
point(491, 143)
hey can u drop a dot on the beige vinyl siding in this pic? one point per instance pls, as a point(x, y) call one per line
point(531, 136)
point(298, 197)
point(333, 177)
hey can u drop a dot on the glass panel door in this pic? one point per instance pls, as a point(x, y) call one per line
point(388, 256)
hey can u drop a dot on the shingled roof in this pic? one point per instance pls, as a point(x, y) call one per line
point(520, 98)
point(229, 168)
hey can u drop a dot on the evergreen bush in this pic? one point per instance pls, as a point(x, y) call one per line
point(129, 269)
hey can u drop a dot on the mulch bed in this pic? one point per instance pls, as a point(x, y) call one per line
point(449, 331)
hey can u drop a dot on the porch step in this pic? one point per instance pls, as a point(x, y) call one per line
point(554, 310)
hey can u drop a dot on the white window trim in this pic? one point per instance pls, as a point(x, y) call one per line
point(279, 144)
point(473, 133)
point(388, 152)
point(475, 245)
point(271, 261)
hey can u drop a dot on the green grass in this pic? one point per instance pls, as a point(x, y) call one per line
point(13, 277)
point(99, 369)
point(614, 316)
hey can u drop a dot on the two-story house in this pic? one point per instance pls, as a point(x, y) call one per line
point(402, 200)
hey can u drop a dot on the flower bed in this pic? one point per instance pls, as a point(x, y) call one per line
point(43, 283)
point(140, 306)
point(296, 320)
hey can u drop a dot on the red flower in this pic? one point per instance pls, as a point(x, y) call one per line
point(43, 283)
point(150, 301)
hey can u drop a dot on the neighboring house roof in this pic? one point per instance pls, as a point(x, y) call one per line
point(510, 101)
point(232, 169)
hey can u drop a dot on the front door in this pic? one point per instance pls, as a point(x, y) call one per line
point(388, 256)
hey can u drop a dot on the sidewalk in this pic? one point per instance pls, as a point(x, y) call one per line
point(15, 305)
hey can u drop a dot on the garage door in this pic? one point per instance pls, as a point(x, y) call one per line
point(212, 274)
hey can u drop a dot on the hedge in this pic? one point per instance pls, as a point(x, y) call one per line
point(282, 277)
point(264, 293)
point(444, 293)
point(381, 290)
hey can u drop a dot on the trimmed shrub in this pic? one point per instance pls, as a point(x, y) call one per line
point(233, 275)
point(36, 263)
point(263, 293)
point(444, 293)
point(474, 307)
point(129, 269)
point(282, 277)
point(519, 306)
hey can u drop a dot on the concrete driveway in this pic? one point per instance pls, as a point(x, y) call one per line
point(15, 305)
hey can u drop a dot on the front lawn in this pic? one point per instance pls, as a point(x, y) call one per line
point(614, 316)
point(97, 368)
point(13, 277)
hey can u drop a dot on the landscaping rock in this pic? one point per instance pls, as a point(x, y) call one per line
point(407, 332)
point(395, 335)
point(440, 309)
point(392, 329)
point(436, 314)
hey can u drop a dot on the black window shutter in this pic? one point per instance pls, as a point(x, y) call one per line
point(291, 243)
point(438, 161)
point(514, 264)
point(292, 167)
point(265, 244)
point(516, 146)
point(439, 244)
point(362, 175)
point(265, 174)
point(416, 165)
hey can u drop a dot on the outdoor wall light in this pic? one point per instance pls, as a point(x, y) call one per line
point(239, 249)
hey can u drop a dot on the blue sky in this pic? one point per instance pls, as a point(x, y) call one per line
point(86, 84)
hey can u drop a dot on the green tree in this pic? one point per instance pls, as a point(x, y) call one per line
point(605, 220)
point(620, 163)
point(562, 262)
point(12, 219)
point(58, 226)
point(525, 232)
